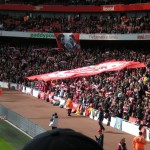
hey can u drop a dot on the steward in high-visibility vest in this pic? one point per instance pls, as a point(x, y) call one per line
point(69, 106)
point(139, 142)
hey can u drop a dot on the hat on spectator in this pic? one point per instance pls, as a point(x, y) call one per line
point(62, 139)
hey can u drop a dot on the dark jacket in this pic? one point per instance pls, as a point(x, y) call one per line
point(100, 139)
point(101, 115)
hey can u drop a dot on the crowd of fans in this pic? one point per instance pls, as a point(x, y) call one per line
point(123, 94)
point(72, 2)
point(111, 24)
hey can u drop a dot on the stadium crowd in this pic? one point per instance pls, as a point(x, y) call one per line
point(77, 23)
point(73, 2)
point(123, 94)
point(112, 24)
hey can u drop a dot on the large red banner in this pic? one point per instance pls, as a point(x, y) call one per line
point(68, 41)
point(88, 71)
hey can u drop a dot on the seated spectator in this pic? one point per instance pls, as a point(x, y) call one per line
point(115, 24)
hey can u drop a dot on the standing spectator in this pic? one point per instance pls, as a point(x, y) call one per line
point(143, 130)
point(100, 118)
point(122, 145)
point(54, 121)
point(69, 106)
point(109, 118)
point(100, 138)
point(139, 142)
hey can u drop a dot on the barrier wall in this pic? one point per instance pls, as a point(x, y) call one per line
point(22, 123)
point(118, 123)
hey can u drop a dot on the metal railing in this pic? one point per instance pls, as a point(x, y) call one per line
point(21, 122)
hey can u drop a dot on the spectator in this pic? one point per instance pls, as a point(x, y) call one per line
point(100, 118)
point(69, 106)
point(64, 139)
point(143, 130)
point(114, 24)
point(122, 145)
point(126, 95)
point(73, 2)
point(139, 142)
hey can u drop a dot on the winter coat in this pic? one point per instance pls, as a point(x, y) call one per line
point(69, 104)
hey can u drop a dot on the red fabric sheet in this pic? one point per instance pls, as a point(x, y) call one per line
point(88, 71)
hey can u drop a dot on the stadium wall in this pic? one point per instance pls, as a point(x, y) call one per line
point(20, 122)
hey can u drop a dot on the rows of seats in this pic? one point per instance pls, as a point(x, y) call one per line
point(112, 24)
point(73, 2)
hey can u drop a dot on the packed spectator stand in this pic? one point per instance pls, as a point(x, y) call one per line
point(111, 24)
point(73, 2)
point(123, 94)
